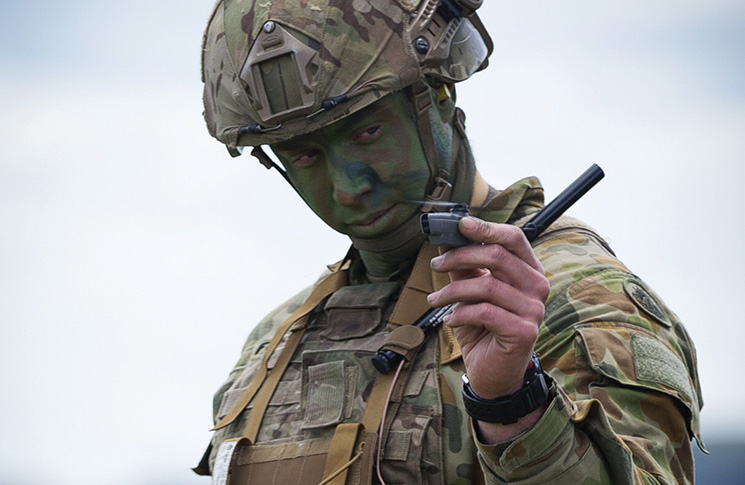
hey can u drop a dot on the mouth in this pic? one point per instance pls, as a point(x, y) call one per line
point(374, 225)
point(376, 218)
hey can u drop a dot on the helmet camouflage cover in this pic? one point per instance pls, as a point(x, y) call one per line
point(275, 69)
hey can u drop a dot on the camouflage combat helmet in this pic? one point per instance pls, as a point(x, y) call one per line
point(281, 68)
point(276, 69)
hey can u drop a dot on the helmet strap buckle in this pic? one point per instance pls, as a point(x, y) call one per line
point(440, 193)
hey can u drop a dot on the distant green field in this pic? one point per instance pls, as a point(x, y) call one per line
point(724, 466)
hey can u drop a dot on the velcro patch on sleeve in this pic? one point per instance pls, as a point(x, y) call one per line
point(635, 357)
point(654, 362)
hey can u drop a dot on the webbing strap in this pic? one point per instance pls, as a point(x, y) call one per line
point(270, 384)
point(449, 347)
point(376, 402)
point(325, 287)
point(480, 191)
point(422, 102)
point(413, 300)
point(340, 452)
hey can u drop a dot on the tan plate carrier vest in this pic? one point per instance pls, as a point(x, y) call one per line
point(349, 457)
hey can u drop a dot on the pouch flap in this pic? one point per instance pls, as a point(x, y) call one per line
point(356, 311)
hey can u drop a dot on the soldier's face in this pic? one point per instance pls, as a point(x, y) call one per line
point(361, 174)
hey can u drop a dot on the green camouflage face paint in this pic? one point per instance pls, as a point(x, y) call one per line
point(360, 174)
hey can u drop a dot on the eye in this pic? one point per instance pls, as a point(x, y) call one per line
point(306, 158)
point(368, 134)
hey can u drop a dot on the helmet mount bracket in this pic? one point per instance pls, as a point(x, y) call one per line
point(279, 73)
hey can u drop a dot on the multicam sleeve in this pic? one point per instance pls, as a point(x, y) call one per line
point(626, 392)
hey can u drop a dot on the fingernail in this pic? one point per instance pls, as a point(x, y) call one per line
point(432, 297)
point(469, 223)
point(447, 318)
point(436, 261)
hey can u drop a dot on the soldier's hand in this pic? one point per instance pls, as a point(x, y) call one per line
point(499, 290)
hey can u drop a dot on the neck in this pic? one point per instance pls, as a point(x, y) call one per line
point(380, 269)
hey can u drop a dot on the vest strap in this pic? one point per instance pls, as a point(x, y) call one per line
point(412, 302)
point(270, 384)
point(340, 456)
point(480, 192)
point(324, 288)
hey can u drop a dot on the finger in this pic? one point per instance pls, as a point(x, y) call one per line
point(494, 292)
point(473, 271)
point(514, 335)
point(510, 237)
point(463, 274)
point(471, 261)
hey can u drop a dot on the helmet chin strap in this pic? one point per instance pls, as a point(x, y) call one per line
point(259, 153)
point(439, 186)
point(445, 185)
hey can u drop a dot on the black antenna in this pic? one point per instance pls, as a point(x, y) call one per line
point(546, 216)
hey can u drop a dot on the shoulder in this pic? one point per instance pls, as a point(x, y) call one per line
point(601, 310)
point(253, 351)
point(586, 276)
point(266, 328)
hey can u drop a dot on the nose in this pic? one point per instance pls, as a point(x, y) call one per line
point(351, 181)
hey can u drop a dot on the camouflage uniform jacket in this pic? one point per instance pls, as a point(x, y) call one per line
point(626, 396)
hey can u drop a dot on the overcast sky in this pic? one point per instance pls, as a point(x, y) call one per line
point(136, 255)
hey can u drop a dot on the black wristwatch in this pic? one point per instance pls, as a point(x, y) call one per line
point(508, 409)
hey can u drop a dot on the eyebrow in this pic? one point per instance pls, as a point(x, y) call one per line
point(370, 109)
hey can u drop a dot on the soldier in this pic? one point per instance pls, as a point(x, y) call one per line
point(576, 370)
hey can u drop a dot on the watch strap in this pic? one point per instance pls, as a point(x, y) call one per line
point(508, 409)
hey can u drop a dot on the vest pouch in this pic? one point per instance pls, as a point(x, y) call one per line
point(297, 462)
point(357, 311)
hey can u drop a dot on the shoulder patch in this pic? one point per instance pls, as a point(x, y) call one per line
point(644, 300)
